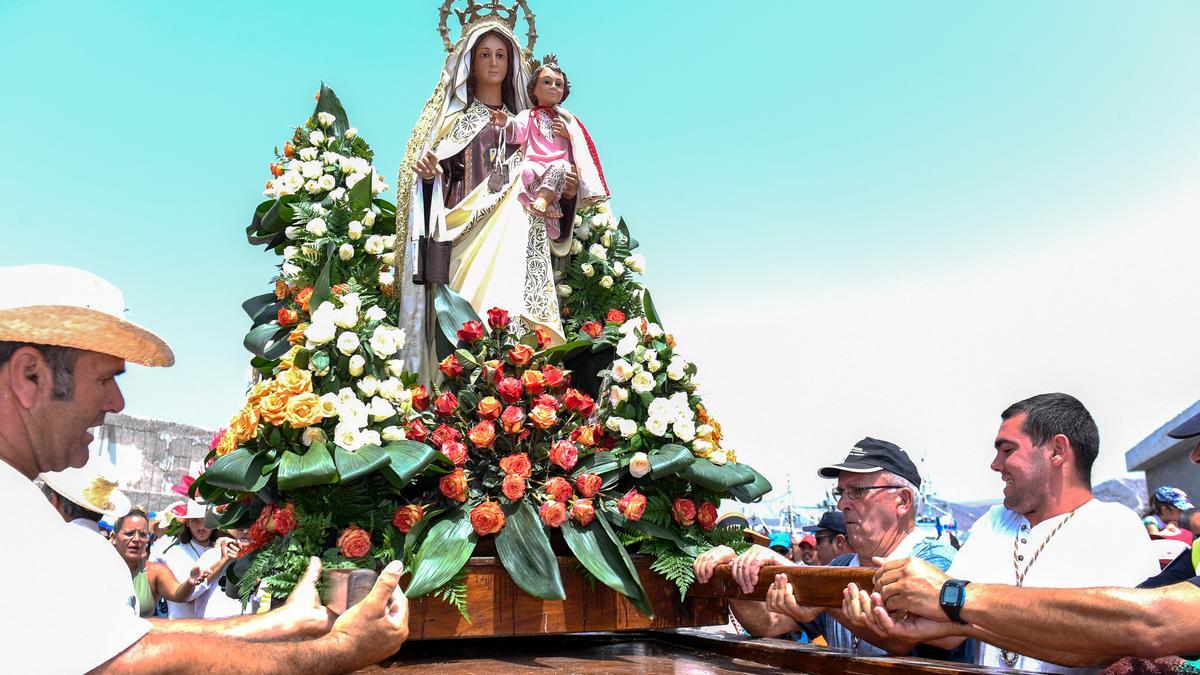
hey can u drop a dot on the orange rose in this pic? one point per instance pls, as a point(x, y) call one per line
point(684, 512)
point(513, 487)
point(407, 516)
point(497, 318)
point(451, 367)
point(281, 289)
point(489, 408)
point(227, 444)
point(455, 451)
point(670, 341)
point(454, 485)
point(632, 505)
point(445, 404)
point(483, 434)
point(543, 416)
point(303, 297)
point(564, 454)
point(706, 515)
point(517, 463)
point(615, 316)
point(553, 513)
point(258, 391)
point(295, 381)
point(592, 328)
point(287, 317)
point(284, 519)
point(276, 169)
point(582, 511)
point(510, 389)
point(534, 382)
point(588, 484)
point(487, 518)
point(303, 410)
point(584, 435)
point(444, 434)
point(513, 420)
point(415, 431)
point(242, 428)
point(553, 376)
point(296, 337)
point(273, 407)
point(354, 542)
point(420, 397)
point(543, 337)
point(558, 489)
point(520, 354)
point(289, 150)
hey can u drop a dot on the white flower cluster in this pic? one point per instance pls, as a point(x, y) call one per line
point(601, 227)
point(320, 170)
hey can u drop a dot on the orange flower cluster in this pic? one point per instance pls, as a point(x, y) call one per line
point(287, 398)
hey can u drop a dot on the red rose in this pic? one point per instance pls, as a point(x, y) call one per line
point(582, 511)
point(510, 389)
point(444, 434)
point(487, 518)
point(534, 382)
point(592, 328)
point(554, 377)
point(585, 435)
point(706, 515)
point(558, 489)
point(587, 407)
point(493, 371)
point(285, 520)
point(456, 452)
point(553, 513)
point(354, 542)
point(543, 337)
point(287, 317)
point(517, 463)
point(564, 454)
point(420, 397)
point(451, 367)
point(513, 420)
point(684, 512)
point(483, 434)
point(446, 403)
point(497, 318)
point(545, 400)
point(407, 516)
point(573, 399)
point(632, 505)
point(543, 416)
point(615, 316)
point(513, 487)
point(489, 408)
point(416, 431)
point(454, 485)
point(471, 332)
point(520, 355)
point(588, 484)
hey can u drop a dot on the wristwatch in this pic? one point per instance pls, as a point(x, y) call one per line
point(954, 593)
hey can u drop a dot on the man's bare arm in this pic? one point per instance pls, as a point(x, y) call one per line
point(759, 621)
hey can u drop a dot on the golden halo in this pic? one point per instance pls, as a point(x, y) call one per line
point(492, 12)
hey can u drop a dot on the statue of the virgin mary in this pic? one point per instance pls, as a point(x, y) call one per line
point(459, 190)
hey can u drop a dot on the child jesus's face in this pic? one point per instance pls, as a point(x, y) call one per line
point(548, 90)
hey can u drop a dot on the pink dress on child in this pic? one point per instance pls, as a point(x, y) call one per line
point(547, 159)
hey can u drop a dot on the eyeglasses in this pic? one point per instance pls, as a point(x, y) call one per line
point(857, 492)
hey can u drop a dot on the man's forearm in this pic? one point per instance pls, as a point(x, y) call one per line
point(1088, 657)
point(270, 626)
point(889, 644)
point(760, 621)
point(159, 652)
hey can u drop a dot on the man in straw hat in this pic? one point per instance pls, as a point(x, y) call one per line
point(85, 495)
point(63, 342)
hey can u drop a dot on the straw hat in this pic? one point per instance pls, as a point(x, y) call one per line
point(68, 307)
point(90, 486)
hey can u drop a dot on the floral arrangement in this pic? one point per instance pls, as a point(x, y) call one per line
point(600, 276)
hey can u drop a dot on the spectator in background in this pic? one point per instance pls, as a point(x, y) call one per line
point(830, 534)
point(195, 540)
point(804, 549)
point(781, 543)
point(1167, 505)
point(152, 581)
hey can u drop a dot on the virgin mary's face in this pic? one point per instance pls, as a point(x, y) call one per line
point(489, 65)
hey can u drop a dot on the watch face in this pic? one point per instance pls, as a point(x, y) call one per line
point(952, 594)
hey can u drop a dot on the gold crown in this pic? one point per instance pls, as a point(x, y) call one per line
point(483, 13)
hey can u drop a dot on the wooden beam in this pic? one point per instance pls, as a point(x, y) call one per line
point(812, 586)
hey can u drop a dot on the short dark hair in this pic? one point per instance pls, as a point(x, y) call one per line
point(60, 359)
point(133, 513)
point(555, 68)
point(69, 508)
point(1047, 415)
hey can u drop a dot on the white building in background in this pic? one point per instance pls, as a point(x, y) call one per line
point(1165, 459)
point(151, 455)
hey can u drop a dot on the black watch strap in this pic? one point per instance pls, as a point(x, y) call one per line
point(954, 593)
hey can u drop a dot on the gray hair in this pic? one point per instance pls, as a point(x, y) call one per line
point(61, 361)
point(902, 482)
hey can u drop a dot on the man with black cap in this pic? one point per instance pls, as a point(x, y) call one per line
point(878, 492)
point(830, 536)
point(1073, 559)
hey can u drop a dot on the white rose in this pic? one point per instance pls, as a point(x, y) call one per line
point(355, 230)
point(588, 270)
point(630, 326)
point(675, 370)
point(311, 169)
point(564, 290)
point(655, 330)
point(353, 179)
point(599, 220)
point(345, 251)
point(312, 435)
point(606, 239)
point(718, 457)
point(639, 465)
point(577, 222)
point(368, 218)
point(370, 437)
point(337, 193)
point(312, 187)
point(702, 447)
point(653, 365)
point(326, 182)
point(345, 317)
point(330, 158)
point(618, 395)
point(657, 426)
point(637, 263)
point(383, 341)
point(317, 227)
point(325, 119)
point(369, 385)
point(606, 281)
point(290, 271)
point(376, 313)
point(618, 268)
point(642, 382)
point(374, 245)
point(389, 242)
point(661, 407)
point(613, 423)
point(353, 413)
point(392, 389)
point(598, 251)
point(388, 258)
point(704, 430)
point(320, 332)
point(350, 134)
point(576, 247)
point(381, 409)
point(628, 428)
point(352, 300)
point(347, 437)
point(621, 370)
point(377, 184)
point(357, 363)
point(393, 433)
point(347, 342)
point(627, 344)
point(394, 367)
point(330, 401)
point(387, 278)
point(684, 430)
point(290, 252)
point(316, 138)
point(308, 154)
point(346, 396)
point(291, 231)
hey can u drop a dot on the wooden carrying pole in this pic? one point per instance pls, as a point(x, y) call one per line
point(812, 586)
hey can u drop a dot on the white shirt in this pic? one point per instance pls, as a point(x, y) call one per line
point(1104, 544)
point(90, 525)
point(180, 559)
point(69, 600)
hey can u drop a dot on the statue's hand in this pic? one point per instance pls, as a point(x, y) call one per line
point(499, 118)
point(572, 183)
point(428, 167)
point(559, 128)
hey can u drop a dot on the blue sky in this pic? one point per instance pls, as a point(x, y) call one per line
point(898, 201)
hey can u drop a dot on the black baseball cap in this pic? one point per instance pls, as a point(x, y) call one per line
point(1188, 429)
point(831, 521)
point(870, 455)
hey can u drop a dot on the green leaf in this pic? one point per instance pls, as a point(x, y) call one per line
point(360, 195)
point(314, 467)
point(328, 102)
point(321, 287)
point(524, 550)
point(452, 312)
point(319, 361)
point(444, 551)
point(596, 546)
point(719, 478)
point(239, 470)
point(262, 308)
point(660, 532)
point(605, 464)
point(752, 491)
point(408, 458)
point(648, 307)
point(351, 465)
point(266, 340)
point(669, 459)
point(563, 351)
point(232, 517)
